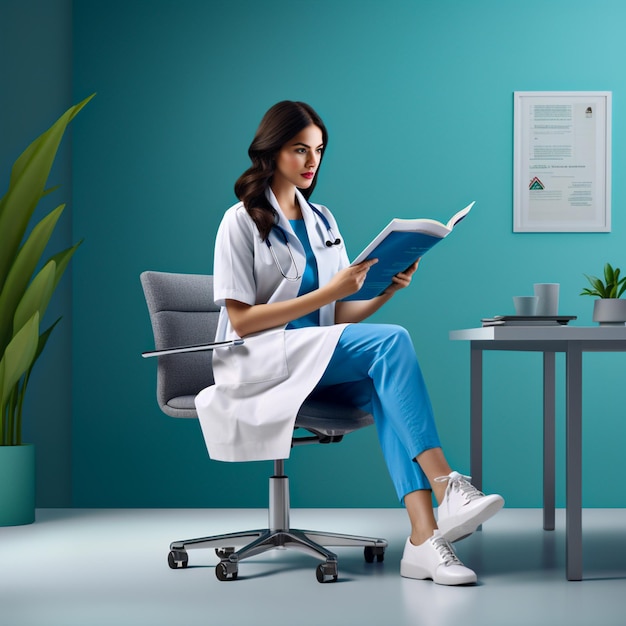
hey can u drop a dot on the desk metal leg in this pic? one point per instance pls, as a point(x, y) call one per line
point(549, 440)
point(573, 523)
point(476, 417)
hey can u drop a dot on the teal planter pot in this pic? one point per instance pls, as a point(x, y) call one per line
point(17, 485)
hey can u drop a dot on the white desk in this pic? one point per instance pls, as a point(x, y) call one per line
point(573, 341)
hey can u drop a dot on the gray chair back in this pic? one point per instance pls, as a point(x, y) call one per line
point(182, 312)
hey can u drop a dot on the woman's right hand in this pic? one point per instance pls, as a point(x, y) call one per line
point(253, 318)
point(350, 279)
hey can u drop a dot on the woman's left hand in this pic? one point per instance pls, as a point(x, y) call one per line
point(402, 279)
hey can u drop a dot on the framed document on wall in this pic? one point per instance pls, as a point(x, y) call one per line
point(562, 161)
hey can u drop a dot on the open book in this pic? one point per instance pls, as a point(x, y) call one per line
point(398, 246)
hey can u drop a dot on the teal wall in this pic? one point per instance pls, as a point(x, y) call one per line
point(418, 99)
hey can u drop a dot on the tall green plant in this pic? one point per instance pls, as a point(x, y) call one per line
point(26, 285)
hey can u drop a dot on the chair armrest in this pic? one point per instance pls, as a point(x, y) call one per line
point(200, 347)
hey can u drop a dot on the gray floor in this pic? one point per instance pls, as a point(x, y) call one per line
point(108, 567)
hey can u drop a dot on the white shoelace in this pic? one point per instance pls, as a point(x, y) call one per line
point(445, 550)
point(462, 484)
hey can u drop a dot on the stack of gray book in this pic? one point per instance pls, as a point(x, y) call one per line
point(527, 320)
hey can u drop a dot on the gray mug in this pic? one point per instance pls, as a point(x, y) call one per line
point(548, 294)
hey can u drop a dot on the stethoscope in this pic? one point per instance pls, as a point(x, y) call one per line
point(330, 242)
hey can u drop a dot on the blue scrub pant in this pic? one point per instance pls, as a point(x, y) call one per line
point(375, 368)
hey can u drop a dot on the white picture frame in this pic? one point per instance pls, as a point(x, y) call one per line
point(562, 161)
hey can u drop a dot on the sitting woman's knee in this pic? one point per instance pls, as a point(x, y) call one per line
point(398, 336)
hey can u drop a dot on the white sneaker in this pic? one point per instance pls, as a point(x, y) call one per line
point(435, 559)
point(464, 508)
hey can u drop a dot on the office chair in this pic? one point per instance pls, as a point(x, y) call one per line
point(183, 313)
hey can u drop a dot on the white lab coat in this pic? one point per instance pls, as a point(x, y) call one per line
point(250, 412)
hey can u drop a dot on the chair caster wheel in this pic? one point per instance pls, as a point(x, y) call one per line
point(226, 571)
point(224, 553)
point(326, 572)
point(369, 552)
point(177, 559)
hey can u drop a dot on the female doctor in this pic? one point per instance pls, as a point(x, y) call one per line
point(280, 274)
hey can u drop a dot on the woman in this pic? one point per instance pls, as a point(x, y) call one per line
point(281, 273)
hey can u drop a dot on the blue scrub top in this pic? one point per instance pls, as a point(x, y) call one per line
point(310, 279)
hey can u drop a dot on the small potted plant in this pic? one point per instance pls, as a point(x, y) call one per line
point(609, 309)
point(26, 286)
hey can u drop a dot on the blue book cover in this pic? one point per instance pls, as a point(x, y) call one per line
point(398, 246)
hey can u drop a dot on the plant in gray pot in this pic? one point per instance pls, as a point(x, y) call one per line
point(609, 309)
point(26, 287)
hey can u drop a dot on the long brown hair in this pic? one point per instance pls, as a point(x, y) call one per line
point(280, 124)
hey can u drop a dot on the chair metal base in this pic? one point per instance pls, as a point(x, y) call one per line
point(278, 535)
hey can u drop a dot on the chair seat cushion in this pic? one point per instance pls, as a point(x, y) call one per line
point(331, 418)
point(180, 406)
point(320, 416)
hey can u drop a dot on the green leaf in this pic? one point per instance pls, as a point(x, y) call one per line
point(608, 275)
point(43, 339)
point(37, 296)
point(23, 385)
point(22, 271)
point(597, 284)
point(616, 283)
point(18, 357)
point(62, 260)
point(50, 190)
point(27, 185)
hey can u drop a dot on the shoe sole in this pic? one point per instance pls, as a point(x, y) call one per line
point(410, 570)
point(462, 526)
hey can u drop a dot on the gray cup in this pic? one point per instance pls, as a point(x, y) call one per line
point(548, 294)
point(525, 305)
